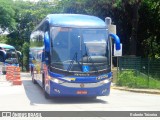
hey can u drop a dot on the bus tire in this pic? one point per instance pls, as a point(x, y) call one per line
point(4, 72)
point(33, 80)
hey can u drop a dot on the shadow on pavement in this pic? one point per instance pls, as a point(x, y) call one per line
point(36, 96)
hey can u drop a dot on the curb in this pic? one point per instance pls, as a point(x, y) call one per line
point(148, 91)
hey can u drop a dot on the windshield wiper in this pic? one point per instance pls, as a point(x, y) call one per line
point(72, 61)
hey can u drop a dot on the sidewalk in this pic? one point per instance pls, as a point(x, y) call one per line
point(148, 91)
point(3, 81)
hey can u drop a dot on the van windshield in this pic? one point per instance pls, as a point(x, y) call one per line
point(11, 56)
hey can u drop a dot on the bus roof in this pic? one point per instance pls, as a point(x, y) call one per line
point(74, 20)
point(6, 46)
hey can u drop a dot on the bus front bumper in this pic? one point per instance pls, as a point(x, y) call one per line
point(85, 89)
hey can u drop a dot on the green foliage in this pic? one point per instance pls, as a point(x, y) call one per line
point(27, 16)
point(3, 39)
point(149, 28)
point(133, 80)
point(7, 15)
point(127, 78)
point(25, 51)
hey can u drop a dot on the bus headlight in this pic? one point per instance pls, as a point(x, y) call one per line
point(56, 80)
point(105, 81)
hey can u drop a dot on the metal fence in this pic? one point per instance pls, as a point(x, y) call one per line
point(144, 70)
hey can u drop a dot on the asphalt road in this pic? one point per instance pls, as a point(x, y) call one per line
point(30, 97)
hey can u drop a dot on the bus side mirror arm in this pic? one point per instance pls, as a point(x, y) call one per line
point(116, 40)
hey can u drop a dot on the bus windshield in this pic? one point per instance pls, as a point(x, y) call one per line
point(77, 47)
point(11, 56)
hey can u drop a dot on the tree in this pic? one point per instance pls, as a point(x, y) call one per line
point(135, 4)
point(7, 13)
point(149, 24)
point(25, 53)
point(28, 15)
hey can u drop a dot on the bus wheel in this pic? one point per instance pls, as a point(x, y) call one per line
point(33, 80)
point(4, 72)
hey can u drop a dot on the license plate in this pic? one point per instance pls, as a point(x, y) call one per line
point(81, 92)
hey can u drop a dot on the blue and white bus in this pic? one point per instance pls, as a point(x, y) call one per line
point(9, 56)
point(71, 55)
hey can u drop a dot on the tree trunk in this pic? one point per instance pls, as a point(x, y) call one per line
point(133, 40)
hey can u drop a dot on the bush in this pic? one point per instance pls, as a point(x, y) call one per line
point(127, 78)
point(133, 80)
